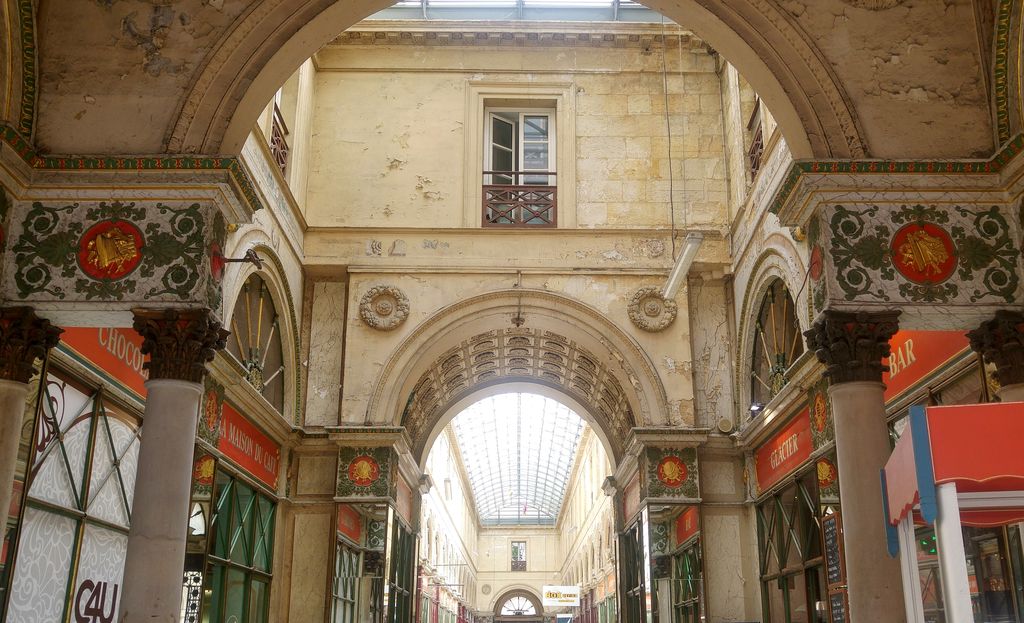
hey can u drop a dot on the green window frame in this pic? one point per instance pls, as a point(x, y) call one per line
point(402, 574)
point(240, 559)
point(345, 587)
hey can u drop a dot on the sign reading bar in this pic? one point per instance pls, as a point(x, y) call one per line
point(116, 351)
point(561, 596)
point(916, 354)
point(784, 452)
point(249, 447)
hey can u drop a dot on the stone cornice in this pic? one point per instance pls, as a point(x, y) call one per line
point(230, 169)
point(790, 198)
point(516, 34)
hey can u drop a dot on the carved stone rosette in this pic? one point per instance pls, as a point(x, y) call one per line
point(384, 307)
point(179, 342)
point(650, 311)
point(853, 344)
point(24, 337)
point(1001, 341)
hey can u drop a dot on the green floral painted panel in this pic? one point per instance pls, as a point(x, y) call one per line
point(366, 472)
point(672, 472)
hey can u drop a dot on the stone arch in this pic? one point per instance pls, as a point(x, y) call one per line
point(769, 267)
point(564, 346)
point(274, 277)
point(516, 591)
point(265, 46)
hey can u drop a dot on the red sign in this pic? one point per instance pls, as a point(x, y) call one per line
point(350, 522)
point(687, 524)
point(247, 446)
point(784, 452)
point(916, 354)
point(116, 351)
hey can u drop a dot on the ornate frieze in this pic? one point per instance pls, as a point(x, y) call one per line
point(852, 345)
point(180, 342)
point(1001, 342)
point(24, 337)
point(671, 472)
point(384, 307)
point(650, 311)
point(366, 472)
point(101, 252)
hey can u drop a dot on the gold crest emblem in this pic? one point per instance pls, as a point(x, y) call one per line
point(112, 250)
point(924, 252)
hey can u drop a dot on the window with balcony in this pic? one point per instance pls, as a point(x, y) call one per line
point(519, 555)
point(519, 188)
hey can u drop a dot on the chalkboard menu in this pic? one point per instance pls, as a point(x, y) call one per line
point(830, 533)
point(837, 607)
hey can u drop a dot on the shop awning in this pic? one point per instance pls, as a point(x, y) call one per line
point(975, 447)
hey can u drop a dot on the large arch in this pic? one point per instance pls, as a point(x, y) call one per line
point(199, 90)
point(565, 349)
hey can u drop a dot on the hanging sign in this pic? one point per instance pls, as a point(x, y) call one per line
point(115, 351)
point(561, 596)
point(784, 452)
point(916, 354)
point(249, 447)
point(350, 522)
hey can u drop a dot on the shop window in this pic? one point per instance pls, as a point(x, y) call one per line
point(344, 589)
point(792, 570)
point(777, 344)
point(519, 168)
point(255, 340)
point(74, 531)
point(687, 588)
point(239, 562)
point(402, 576)
point(519, 555)
point(632, 577)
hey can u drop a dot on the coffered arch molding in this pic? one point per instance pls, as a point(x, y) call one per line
point(770, 266)
point(265, 47)
point(580, 333)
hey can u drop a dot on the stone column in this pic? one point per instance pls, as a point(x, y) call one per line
point(852, 346)
point(1001, 341)
point(179, 343)
point(24, 337)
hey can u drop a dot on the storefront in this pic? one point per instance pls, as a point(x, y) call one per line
point(798, 517)
point(953, 491)
point(69, 527)
point(687, 568)
point(932, 368)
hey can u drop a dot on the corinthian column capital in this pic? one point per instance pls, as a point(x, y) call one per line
point(179, 341)
point(24, 337)
point(1001, 341)
point(853, 344)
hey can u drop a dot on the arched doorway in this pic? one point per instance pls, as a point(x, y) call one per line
point(518, 606)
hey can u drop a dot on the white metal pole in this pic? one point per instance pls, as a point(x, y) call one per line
point(956, 592)
point(911, 574)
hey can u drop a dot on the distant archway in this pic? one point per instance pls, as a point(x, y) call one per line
point(518, 605)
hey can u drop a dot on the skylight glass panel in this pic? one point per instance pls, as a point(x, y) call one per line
point(518, 451)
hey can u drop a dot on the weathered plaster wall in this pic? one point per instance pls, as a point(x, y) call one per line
point(327, 333)
point(913, 71)
point(389, 139)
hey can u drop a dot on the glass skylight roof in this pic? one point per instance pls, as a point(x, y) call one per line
point(518, 451)
point(532, 10)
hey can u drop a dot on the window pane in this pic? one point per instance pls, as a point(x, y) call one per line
point(234, 599)
point(535, 156)
point(797, 600)
point(242, 524)
point(535, 127)
point(257, 602)
point(502, 160)
point(503, 133)
point(212, 593)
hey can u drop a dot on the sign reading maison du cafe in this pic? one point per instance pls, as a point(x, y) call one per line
point(249, 447)
point(785, 451)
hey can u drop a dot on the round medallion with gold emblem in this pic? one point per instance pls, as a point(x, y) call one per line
point(827, 473)
point(672, 471)
point(363, 471)
point(923, 253)
point(110, 250)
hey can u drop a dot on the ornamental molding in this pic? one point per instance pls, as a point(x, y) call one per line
point(384, 307)
point(24, 337)
point(179, 342)
point(651, 311)
point(477, 36)
point(852, 345)
point(1001, 341)
point(874, 5)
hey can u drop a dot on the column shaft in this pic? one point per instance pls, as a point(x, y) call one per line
point(12, 410)
point(862, 447)
point(156, 541)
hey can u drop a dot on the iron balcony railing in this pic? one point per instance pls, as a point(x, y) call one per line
point(519, 199)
